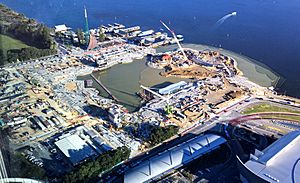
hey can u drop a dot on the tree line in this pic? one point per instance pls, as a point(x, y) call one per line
point(91, 169)
point(30, 32)
point(160, 134)
point(27, 54)
point(37, 36)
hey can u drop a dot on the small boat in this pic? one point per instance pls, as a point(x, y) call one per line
point(180, 37)
point(146, 33)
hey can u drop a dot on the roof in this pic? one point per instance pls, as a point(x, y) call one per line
point(280, 161)
point(59, 28)
point(173, 158)
point(74, 148)
point(169, 89)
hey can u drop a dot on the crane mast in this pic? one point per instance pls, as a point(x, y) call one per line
point(175, 37)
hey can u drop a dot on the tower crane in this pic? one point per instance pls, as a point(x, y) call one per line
point(175, 37)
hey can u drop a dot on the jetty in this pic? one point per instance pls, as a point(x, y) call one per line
point(102, 85)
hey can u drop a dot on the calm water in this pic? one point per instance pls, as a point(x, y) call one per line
point(266, 30)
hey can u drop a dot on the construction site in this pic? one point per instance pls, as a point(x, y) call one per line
point(56, 120)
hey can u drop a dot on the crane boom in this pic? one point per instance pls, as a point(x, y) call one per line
point(157, 94)
point(153, 92)
point(175, 37)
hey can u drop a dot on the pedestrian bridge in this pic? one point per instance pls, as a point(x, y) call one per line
point(173, 158)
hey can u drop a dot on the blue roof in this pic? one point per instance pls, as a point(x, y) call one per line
point(173, 158)
point(171, 88)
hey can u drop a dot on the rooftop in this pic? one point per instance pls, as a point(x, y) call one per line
point(280, 161)
point(59, 28)
point(74, 148)
point(169, 89)
point(173, 158)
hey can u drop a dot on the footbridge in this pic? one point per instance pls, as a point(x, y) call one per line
point(173, 158)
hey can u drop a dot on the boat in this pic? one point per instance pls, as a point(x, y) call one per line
point(180, 37)
point(146, 33)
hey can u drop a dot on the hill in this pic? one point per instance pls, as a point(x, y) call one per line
point(29, 32)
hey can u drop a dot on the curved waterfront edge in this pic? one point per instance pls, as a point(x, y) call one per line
point(254, 70)
point(124, 79)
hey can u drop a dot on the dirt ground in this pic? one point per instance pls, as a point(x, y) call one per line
point(217, 96)
point(190, 72)
point(71, 86)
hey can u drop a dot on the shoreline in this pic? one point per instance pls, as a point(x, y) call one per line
point(253, 70)
point(148, 76)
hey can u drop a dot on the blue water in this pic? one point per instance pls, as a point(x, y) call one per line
point(266, 30)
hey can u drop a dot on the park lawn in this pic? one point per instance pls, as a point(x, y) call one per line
point(7, 43)
point(266, 108)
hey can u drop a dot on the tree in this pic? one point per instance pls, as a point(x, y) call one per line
point(80, 35)
point(102, 35)
point(89, 170)
point(2, 57)
point(159, 134)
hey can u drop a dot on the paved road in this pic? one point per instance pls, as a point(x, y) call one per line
point(225, 115)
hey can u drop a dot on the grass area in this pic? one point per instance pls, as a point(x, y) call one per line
point(7, 43)
point(267, 108)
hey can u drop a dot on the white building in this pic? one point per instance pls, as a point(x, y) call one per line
point(115, 114)
point(280, 162)
point(61, 28)
point(75, 148)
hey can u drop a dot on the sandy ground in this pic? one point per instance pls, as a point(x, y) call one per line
point(189, 72)
point(252, 69)
point(71, 86)
point(217, 96)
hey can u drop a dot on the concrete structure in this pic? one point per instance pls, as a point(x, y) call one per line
point(171, 88)
point(173, 158)
point(61, 28)
point(114, 115)
point(277, 163)
point(74, 148)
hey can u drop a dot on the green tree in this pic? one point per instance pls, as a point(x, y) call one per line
point(102, 35)
point(90, 170)
point(159, 134)
point(2, 57)
point(80, 36)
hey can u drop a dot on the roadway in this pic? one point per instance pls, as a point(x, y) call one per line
point(225, 114)
point(196, 130)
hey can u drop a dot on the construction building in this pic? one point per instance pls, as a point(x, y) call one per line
point(75, 149)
